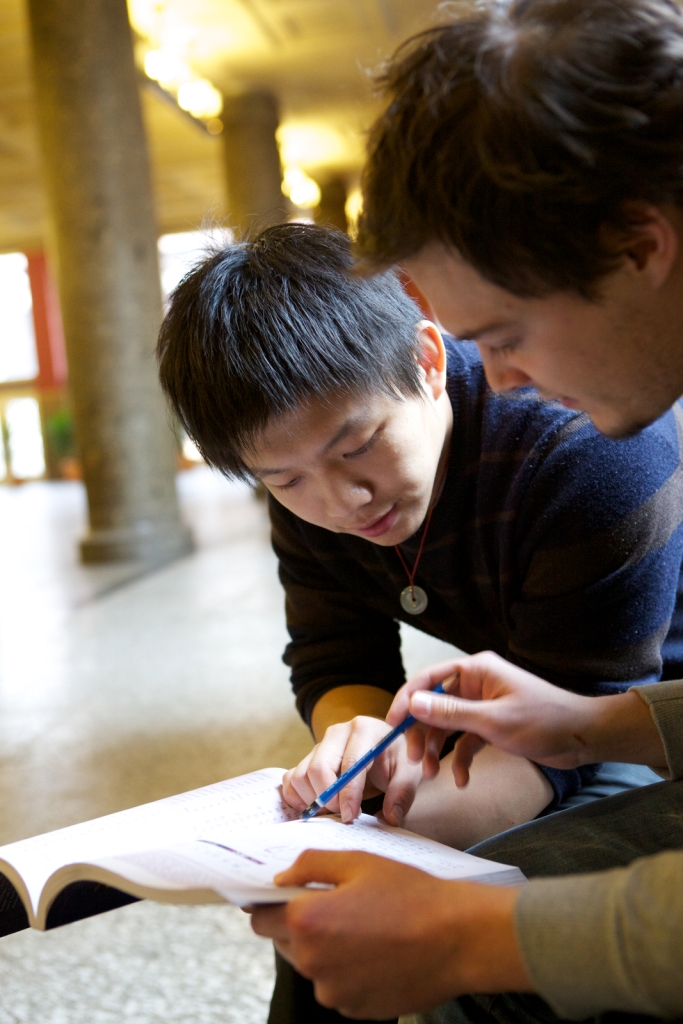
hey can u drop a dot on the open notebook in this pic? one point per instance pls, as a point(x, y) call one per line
point(221, 843)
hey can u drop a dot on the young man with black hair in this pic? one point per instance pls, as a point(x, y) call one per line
point(395, 469)
point(528, 173)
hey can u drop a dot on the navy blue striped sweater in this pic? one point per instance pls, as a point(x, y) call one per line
point(553, 545)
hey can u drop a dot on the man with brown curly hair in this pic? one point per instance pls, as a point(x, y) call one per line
point(528, 174)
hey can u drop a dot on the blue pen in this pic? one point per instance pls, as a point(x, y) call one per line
point(362, 763)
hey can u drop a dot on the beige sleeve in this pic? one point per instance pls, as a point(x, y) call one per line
point(665, 701)
point(607, 941)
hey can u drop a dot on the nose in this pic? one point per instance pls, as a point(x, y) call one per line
point(343, 498)
point(501, 375)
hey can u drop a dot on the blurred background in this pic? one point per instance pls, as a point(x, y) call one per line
point(141, 620)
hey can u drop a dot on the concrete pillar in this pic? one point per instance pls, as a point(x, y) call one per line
point(252, 162)
point(100, 198)
point(331, 210)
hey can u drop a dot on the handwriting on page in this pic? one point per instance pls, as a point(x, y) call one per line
point(255, 855)
point(196, 865)
point(202, 865)
point(279, 847)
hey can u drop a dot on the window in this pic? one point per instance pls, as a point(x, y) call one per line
point(179, 252)
point(3, 460)
point(18, 357)
point(25, 438)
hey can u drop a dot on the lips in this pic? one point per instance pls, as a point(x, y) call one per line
point(379, 526)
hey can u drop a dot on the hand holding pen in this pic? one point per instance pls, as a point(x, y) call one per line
point(364, 762)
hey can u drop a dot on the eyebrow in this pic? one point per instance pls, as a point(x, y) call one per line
point(478, 332)
point(260, 473)
point(351, 424)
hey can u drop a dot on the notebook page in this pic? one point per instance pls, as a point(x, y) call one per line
point(201, 865)
point(249, 859)
point(278, 848)
point(211, 812)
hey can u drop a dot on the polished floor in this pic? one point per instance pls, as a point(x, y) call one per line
point(118, 687)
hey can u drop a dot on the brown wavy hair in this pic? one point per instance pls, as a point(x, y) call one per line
point(520, 131)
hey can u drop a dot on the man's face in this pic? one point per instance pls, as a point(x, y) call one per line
point(362, 466)
point(620, 358)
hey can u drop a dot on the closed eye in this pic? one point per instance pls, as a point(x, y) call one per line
point(505, 348)
point(291, 483)
point(363, 449)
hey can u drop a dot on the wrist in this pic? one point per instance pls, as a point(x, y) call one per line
point(346, 702)
point(486, 956)
point(622, 729)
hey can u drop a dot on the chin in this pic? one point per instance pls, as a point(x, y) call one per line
point(387, 540)
point(620, 429)
point(397, 535)
point(404, 532)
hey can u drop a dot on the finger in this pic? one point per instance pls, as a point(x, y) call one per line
point(401, 793)
point(270, 921)
point(446, 673)
point(285, 949)
point(365, 734)
point(486, 675)
point(425, 745)
point(352, 794)
point(434, 742)
point(297, 790)
point(330, 866)
point(301, 780)
point(325, 765)
point(465, 749)
point(415, 742)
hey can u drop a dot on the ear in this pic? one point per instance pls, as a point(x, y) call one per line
point(653, 248)
point(432, 358)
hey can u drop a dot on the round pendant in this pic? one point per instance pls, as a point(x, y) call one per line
point(413, 600)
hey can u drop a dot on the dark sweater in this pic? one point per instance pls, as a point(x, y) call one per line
point(553, 545)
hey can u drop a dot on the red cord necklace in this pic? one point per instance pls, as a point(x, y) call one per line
point(413, 599)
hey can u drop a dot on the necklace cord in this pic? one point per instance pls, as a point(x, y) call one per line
point(412, 575)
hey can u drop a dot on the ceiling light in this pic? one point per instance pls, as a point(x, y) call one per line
point(200, 98)
point(353, 209)
point(303, 191)
point(354, 205)
point(166, 68)
point(310, 145)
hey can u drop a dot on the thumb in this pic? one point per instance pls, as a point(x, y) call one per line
point(447, 673)
point(332, 867)
point(452, 714)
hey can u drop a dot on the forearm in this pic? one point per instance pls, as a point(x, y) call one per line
point(346, 702)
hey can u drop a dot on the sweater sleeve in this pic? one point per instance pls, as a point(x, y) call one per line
point(607, 941)
point(665, 701)
point(336, 639)
point(613, 940)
